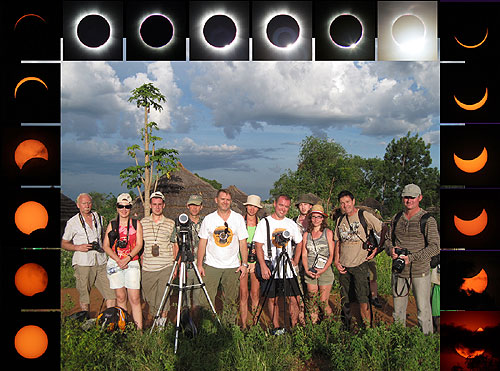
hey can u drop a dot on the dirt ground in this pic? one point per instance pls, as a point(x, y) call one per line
point(70, 305)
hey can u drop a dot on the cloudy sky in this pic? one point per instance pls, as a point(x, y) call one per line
point(240, 123)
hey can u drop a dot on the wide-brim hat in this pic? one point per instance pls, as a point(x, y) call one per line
point(307, 198)
point(319, 210)
point(253, 200)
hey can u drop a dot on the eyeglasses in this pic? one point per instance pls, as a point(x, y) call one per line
point(317, 217)
point(124, 206)
point(409, 198)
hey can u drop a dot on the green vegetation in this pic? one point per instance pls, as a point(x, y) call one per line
point(322, 346)
point(325, 168)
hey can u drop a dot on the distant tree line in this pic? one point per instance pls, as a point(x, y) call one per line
point(325, 168)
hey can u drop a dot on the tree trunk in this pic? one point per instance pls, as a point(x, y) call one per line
point(147, 180)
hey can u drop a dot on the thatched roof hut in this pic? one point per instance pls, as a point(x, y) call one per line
point(182, 184)
point(68, 209)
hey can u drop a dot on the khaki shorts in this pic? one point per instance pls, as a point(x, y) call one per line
point(86, 277)
point(325, 279)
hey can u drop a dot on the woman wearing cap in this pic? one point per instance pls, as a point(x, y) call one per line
point(123, 243)
point(252, 208)
point(317, 257)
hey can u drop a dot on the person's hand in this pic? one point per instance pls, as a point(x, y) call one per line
point(83, 247)
point(340, 268)
point(123, 263)
point(310, 273)
point(243, 271)
point(266, 273)
point(201, 270)
point(372, 255)
point(393, 253)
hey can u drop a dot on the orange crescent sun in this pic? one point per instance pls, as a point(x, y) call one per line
point(473, 46)
point(468, 353)
point(28, 15)
point(471, 227)
point(476, 284)
point(29, 149)
point(30, 78)
point(474, 165)
point(474, 106)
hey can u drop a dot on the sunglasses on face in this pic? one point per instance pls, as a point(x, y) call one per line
point(124, 206)
point(409, 198)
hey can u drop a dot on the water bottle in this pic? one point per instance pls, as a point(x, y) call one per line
point(112, 270)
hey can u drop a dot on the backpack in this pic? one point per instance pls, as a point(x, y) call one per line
point(113, 318)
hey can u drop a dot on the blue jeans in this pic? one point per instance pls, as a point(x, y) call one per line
point(421, 288)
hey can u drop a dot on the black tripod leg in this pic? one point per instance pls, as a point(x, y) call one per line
point(267, 288)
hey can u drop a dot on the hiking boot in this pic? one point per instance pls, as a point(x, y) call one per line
point(278, 331)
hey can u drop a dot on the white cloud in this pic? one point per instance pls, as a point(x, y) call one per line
point(95, 100)
point(385, 100)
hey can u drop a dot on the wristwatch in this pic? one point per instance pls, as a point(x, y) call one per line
point(245, 265)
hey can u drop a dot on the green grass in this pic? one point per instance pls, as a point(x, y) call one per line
point(226, 347)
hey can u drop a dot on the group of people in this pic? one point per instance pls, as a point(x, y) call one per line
point(261, 260)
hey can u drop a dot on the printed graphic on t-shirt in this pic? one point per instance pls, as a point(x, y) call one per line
point(349, 233)
point(223, 236)
point(276, 232)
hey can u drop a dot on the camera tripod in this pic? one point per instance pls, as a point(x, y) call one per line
point(283, 261)
point(184, 256)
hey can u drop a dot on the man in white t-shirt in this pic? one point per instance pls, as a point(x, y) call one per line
point(284, 281)
point(223, 237)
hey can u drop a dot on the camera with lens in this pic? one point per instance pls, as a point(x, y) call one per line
point(121, 244)
point(398, 264)
point(252, 256)
point(183, 224)
point(282, 238)
point(96, 246)
point(372, 242)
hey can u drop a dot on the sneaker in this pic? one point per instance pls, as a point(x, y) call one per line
point(278, 331)
point(376, 303)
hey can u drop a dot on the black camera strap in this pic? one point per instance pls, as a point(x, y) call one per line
point(269, 249)
point(94, 217)
point(406, 285)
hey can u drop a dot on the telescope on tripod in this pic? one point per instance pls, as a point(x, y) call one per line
point(184, 257)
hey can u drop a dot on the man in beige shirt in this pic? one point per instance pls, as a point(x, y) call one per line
point(158, 257)
point(351, 259)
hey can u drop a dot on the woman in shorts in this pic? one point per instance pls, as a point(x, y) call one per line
point(317, 258)
point(123, 243)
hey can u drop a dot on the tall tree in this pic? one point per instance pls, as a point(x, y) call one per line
point(157, 161)
point(407, 160)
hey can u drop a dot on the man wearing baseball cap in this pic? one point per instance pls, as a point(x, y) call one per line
point(421, 240)
point(194, 206)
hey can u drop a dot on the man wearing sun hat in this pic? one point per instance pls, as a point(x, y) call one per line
point(407, 233)
point(158, 258)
